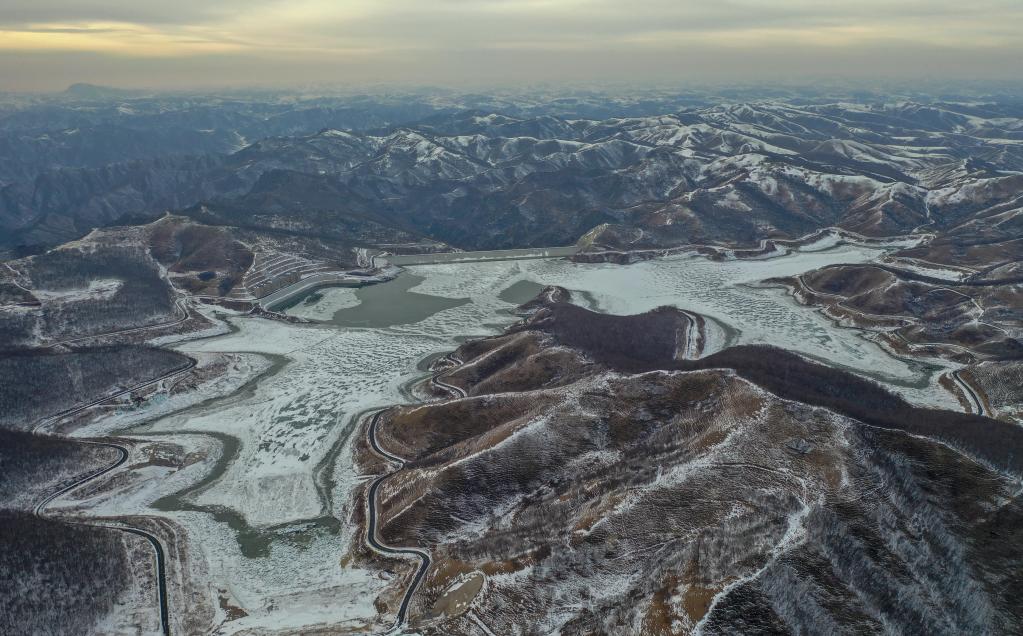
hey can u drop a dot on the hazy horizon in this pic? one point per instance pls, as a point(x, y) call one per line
point(49, 44)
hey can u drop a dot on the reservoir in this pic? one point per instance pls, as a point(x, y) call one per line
point(270, 509)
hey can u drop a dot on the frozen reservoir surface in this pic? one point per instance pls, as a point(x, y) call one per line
point(269, 508)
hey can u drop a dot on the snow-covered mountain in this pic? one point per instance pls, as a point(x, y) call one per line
point(727, 173)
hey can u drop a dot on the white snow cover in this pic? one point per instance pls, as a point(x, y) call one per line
point(725, 291)
point(288, 421)
point(333, 300)
point(98, 289)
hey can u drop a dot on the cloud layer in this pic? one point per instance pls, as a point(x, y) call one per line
point(45, 44)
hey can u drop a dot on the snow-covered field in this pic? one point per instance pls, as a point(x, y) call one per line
point(297, 417)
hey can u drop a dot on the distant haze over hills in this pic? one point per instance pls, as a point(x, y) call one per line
point(94, 92)
point(649, 169)
point(631, 451)
point(52, 43)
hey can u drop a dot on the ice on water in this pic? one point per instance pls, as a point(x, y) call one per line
point(290, 421)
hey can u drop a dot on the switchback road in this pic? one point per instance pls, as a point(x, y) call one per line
point(371, 531)
point(970, 393)
point(372, 524)
point(161, 575)
point(458, 392)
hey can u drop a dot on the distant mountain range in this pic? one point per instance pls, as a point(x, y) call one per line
point(727, 173)
point(582, 472)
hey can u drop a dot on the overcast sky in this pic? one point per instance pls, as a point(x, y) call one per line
point(48, 44)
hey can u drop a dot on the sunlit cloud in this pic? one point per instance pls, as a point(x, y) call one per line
point(115, 38)
point(446, 40)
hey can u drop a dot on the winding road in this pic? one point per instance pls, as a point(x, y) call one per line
point(38, 510)
point(371, 500)
point(371, 531)
point(188, 366)
point(180, 304)
point(458, 392)
point(968, 390)
point(694, 346)
point(161, 573)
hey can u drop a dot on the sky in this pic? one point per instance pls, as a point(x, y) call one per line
point(47, 44)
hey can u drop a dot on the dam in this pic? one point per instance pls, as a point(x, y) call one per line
point(380, 261)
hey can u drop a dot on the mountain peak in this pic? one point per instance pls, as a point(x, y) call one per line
point(84, 90)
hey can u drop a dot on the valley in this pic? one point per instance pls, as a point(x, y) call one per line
point(711, 172)
point(259, 469)
point(444, 363)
